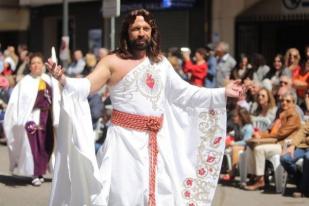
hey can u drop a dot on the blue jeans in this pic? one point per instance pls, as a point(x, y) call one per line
point(289, 164)
point(304, 185)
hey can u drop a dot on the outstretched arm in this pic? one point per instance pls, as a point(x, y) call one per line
point(97, 78)
point(100, 75)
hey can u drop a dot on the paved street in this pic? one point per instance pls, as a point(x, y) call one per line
point(17, 191)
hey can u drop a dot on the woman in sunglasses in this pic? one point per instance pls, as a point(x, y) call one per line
point(292, 59)
point(286, 124)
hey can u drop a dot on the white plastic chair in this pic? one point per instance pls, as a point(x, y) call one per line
point(278, 170)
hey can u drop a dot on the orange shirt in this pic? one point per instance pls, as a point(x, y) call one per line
point(304, 78)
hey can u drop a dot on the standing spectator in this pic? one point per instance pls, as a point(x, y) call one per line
point(4, 99)
point(23, 65)
point(10, 52)
point(9, 66)
point(225, 64)
point(210, 81)
point(196, 72)
point(91, 62)
point(176, 65)
point(1, 60)
point(78, 64)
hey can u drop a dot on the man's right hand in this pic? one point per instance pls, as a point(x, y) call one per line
point(55, 70)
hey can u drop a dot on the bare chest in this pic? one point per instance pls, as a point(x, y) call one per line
point(121, 68)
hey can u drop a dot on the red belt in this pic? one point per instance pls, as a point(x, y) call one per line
point(152, 125)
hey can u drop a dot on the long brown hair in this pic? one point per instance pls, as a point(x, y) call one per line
point(270, 104)
point(154, 51)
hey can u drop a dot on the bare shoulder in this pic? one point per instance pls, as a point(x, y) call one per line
point(111, 61)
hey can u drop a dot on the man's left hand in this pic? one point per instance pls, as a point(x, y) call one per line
point(234, 89)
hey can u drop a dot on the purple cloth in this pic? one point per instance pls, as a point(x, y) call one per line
point(41, 136)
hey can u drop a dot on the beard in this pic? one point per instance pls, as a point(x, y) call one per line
point(139, 44)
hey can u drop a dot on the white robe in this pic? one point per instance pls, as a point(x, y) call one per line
point(19, 111)
point(191, 143)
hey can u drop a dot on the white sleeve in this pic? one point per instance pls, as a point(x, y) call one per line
point(181, 93)
point(79, 87)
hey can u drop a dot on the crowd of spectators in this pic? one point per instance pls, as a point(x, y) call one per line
point(274, 112)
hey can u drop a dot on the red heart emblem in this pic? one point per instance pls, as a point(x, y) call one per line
point(150, 81)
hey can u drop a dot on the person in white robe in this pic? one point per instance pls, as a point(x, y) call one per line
point(166, 141)
point(31, 116)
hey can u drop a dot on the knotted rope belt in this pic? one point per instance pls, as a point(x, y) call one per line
point(152, 125)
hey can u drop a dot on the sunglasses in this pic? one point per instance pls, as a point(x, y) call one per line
point(283, 82)
point(286, 100)
point(294, 56)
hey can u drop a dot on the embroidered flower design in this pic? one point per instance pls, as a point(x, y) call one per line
point(202, 172)
point(216, 142)
point(188, 182)
point(187, 194)
point(200, 189)
point(211, 158)
point(153, 125)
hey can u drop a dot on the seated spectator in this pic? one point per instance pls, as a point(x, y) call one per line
point(301, 83)
point(297, 149)
point(306, 116)
point(252, 93)
point(283, 91)
point(292, 60)
point(266, 109)
point(259, 67)
point(276, 72)
point(285, 125)
point(241, 118)
point(242, 70)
